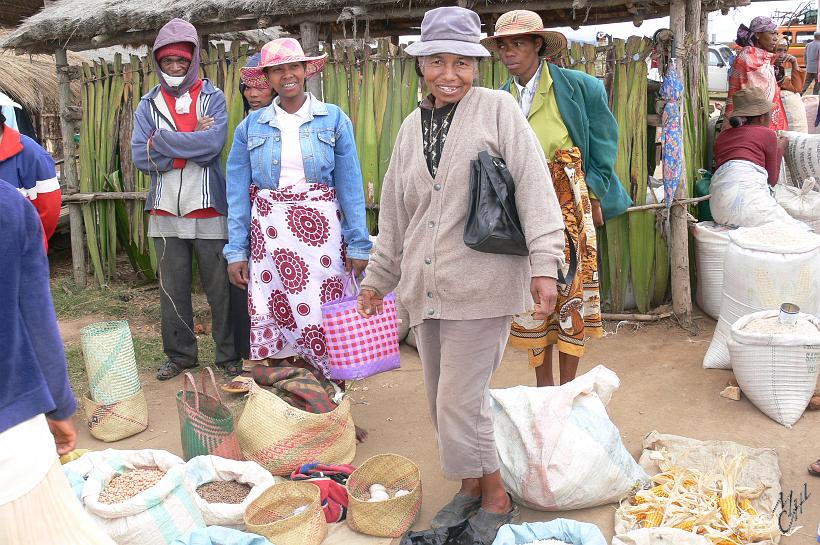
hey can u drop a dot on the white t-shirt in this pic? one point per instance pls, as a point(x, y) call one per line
point(292, 169)
point(27, 453)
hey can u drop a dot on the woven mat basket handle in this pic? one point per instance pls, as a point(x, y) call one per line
point(187, 380)
point(205, 388)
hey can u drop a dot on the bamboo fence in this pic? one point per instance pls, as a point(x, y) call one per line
point(377, 89)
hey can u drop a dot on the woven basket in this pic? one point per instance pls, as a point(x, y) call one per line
point(271, 514)
point(110, 362)
point(118, 420)
point(387, 518)
point(206, 424)
point(281, 438)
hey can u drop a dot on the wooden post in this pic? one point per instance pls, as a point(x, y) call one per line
point(309, 34)
point(693, 13)
point(68, 171)
point(679, 243)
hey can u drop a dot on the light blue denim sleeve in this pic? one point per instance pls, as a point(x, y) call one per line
point(239, 203)
point(347, 175)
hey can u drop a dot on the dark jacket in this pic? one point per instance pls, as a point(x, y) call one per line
point(584, 108)
point(32, 361)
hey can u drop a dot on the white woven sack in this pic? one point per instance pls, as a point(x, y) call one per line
point(156, 516)
point(711, 241)
point(557, 446)
point(802, 155)
point(795, 111)
point(205, 469)
point(777, 372)
point(660, 536)
point(810, 103)
point(802, 203)
point(765, 267)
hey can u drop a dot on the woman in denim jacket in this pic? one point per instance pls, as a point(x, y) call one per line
point(303, 229)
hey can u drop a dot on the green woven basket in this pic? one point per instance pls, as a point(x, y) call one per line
point(110, 361)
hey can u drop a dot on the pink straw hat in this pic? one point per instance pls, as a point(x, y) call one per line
point(283, 51)
point(523, 22)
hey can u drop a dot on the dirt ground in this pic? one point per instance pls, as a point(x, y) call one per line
point(663, 387)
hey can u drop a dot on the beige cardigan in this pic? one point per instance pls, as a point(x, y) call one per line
point(421, 219)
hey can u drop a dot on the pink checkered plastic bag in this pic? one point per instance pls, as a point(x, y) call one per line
point(360, 347)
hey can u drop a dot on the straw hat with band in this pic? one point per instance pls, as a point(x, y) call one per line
point(522, 22)
point(451, 30)
point(281, 51)
point(750, 102)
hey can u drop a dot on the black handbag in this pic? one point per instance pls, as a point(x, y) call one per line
point(492, 225)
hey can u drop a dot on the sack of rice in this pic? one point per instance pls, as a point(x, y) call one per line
point(765, 266)
point(810, 103)
point(554, 532)
point(802, 155)
point(795, 111)
point(775, 364)
point(223, 488)
point(711, 241)
point(802, 203)
point(139, 497)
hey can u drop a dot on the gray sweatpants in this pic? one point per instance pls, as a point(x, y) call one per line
point(458, 358)
point(175, 258)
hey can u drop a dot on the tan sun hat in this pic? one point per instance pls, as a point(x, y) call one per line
point(522, 22)
point(750, 102)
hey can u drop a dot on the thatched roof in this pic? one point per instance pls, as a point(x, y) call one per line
point(88, 24)
point(14, 11)
point(31, 80)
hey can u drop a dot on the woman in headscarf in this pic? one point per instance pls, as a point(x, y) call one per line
point(257, 93)
point(755, 67)
point(303, 230)
point(461, 301)
point(568, 112)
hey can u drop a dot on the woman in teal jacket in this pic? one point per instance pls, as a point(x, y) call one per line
point(303, 229)
point(569, 113)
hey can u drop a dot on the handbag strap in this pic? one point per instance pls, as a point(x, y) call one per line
point(210, 376)
point(188, 380)
point(573, 262)
point(351, 278)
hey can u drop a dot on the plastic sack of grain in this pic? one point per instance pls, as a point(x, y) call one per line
point(802, 155)
point(77, 472)
point(205, 469)
point(764, 267)
point(795, 111)
point(566, 531)
point(156, 516)
point(711, 241)
point(802, 203)
point(557, 446)
point(810, 103)
point(775, 364)
point(660, 536)
point(216, 535)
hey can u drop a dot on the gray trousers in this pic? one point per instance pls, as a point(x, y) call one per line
point(175, 257)
point(458, 358)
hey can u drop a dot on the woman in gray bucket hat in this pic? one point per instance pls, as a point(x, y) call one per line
point(461, 301)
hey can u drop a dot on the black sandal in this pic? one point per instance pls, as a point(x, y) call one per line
point(231, 369)
point(168, 370)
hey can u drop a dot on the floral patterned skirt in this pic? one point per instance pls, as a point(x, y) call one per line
point(297, 264)
point(578, 309)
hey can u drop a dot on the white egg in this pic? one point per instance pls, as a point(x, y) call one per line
point(379, 495)
point(401, 493)
point(377, 486)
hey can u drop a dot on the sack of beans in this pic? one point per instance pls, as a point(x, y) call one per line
point(224, 488)
point(77, 472)
point(775, 363)
point(139, 497)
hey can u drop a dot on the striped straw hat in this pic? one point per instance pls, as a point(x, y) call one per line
point(522, 22)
